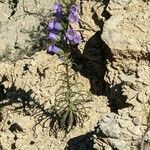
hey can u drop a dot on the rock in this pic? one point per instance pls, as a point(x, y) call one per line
point(118, 132)
point(33, 95)
point(110, 127)
point(137, 121)
point(123, 27)
point(116, 6)
point(119, 144)
point(18, 34)
point(126, 34)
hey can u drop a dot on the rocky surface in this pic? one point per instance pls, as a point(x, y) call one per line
point(116, 50)
point(28, 84)
point(127, 34)
point(18, 36)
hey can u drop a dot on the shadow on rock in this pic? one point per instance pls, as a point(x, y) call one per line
point(38, 39)
point(92, 64)
point(23, 101)
point(12, 95)
point(86, 141)
point(83, 142)
point(116, 99)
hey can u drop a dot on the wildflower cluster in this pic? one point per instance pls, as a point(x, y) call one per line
point(61, 34)
point(69, 97)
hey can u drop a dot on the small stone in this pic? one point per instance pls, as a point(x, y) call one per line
point(124, 123)
point(135, 131)
point(136, 121)
point(133, 114)
point(107, 147)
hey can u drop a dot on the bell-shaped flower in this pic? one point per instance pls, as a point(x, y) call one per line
point(53, 49)
point(77, 39)
point(54, 24)
point(57, 8)
point(70, 34)
point(73, 37)
point(53, 35)
point(73, 18)
point(74, 9)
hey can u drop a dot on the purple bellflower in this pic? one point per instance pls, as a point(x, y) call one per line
point(73, 37)
point(77, 39)
point(54, 36)
point(55, 25)
point(73, 18)
point(74, 9)
point(53, 49)
point(70, 34)
point(57, 8)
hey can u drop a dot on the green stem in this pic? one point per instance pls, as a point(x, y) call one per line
point(67, 78)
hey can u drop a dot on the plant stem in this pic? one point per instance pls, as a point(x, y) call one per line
point(67, 78)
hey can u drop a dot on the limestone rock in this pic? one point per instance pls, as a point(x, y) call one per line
point(127, 35)
point(18, 34)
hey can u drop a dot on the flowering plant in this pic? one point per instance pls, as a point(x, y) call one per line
point(64, 39)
